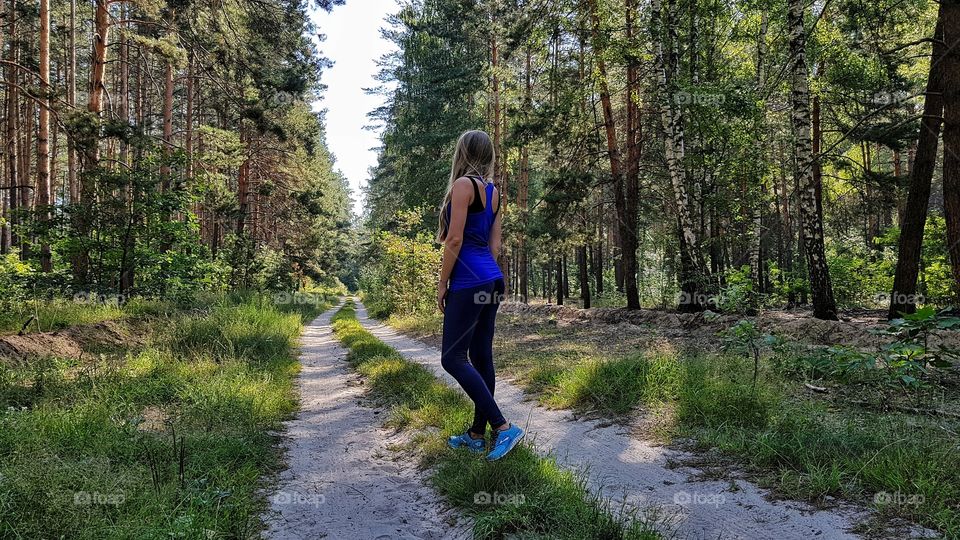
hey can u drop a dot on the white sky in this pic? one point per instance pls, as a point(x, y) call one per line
point(354, 44)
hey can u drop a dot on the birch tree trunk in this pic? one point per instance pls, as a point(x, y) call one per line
point(692, 273)
point(824, 306)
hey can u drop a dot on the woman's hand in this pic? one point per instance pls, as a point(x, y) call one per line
point(441, 295)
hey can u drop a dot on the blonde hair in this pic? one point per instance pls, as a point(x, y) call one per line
point(474, 154)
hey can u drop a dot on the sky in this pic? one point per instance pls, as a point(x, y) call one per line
point(354, 45)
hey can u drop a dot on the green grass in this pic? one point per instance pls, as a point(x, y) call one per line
point(541, 500)
point(419, 324)
point(93, 449)
point(48, 315)
point(804, 448)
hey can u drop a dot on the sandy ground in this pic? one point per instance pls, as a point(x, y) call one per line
point(342, 479)
point(645, 476)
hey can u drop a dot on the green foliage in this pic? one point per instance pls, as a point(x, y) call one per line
point(738, 294)
point(401, 274)
point(745, 338)
point(907, 362)
point(14, 276)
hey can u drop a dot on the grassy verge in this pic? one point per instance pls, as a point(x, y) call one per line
point(170, 440)
point(534, 496)
point(803, 446)
point(418, 325)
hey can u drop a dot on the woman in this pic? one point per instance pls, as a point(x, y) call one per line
point(470, 288)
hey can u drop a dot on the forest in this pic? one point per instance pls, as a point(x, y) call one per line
point(691, 154)
point(730, 247)
point(155, 148)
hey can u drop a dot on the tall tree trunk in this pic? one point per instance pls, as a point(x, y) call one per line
point(950, 13)
point(129, 195)
point(523, 189)
point(824, 306)
point(43, 136)
point(72, 102)
point(692, 273)
point(4, 193)
point(756, 229)
point(90, 148)
point(627, 255)
point(559, 279)
point(166, 171)
point(584, 275)
point(13, 126)
point(632, 169)
point(914, 217)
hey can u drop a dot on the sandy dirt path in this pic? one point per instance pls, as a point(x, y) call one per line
point(625, 468)
point(342, 479)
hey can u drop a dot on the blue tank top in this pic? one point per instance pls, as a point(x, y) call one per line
point(475, 264)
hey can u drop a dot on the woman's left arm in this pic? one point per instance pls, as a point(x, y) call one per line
point(496, 232)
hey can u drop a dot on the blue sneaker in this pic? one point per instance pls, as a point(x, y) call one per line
point(506, 440)
point(465, 440)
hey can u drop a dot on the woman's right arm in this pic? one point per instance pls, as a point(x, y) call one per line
point(459, 202)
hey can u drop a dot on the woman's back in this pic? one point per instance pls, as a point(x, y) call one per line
point(475, 263)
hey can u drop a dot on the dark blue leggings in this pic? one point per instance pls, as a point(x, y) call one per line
point(468, 322)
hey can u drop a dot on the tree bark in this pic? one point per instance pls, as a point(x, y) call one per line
point(43, 136)
point(73, 186)
point(914, 217)
point(824, 306)
point(584, 275)
point(628, 255)
point(950, 13)
point(692, 271)
point(559, 280)
point(13, 127)
point(90, 148)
